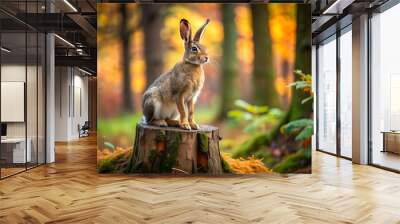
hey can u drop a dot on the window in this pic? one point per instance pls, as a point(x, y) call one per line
point(385, 89)
point(327, 95)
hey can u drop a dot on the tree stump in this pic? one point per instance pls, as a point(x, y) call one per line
point(175, 150)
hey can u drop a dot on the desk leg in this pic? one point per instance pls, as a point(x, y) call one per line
point(384, 142)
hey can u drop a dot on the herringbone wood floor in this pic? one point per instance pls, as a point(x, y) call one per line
point(70, 191)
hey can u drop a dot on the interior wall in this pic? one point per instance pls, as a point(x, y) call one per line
point(71, 102)
point(81, 94)
point(62, 80)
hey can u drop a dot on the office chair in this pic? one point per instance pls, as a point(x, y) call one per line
point(84, 130)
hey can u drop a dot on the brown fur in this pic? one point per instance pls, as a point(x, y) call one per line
point(173, 95)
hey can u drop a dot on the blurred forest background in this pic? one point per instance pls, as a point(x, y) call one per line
point(257, 88)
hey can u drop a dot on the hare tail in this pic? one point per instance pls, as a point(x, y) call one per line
point(148, 110)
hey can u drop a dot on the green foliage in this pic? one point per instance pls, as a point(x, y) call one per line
point(168, 159)
point(300, 159)
point(106, 165)
point(300, 84)
point(225, 166)
point(303, 129)
point(202, 140)
point(240, 115)
point(109, 145)
point(245, 149)
point(110, 164)
point(266, 157)
point(304, 84)
point(120, 125)
point(253, 109)
point(256, 117)
point(258, 121)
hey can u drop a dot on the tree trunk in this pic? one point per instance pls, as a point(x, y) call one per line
point(229, 59)
point(174, 150)
point(264, 89)
point(303, 62)
point(297, 110)
point(152, 23)
point(126, 59)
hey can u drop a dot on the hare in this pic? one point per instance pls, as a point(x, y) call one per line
point(173, 95)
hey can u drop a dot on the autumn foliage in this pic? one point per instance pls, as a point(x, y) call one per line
point(117, 126)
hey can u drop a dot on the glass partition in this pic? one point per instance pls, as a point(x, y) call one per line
point(327, 95)
point(14, 151)
point(31, 99)
point(22, 88)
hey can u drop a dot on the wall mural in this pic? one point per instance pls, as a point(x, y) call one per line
point(204, 88)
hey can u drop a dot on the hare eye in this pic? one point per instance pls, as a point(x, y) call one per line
point(194, 49)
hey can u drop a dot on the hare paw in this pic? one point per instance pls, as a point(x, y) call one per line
point(172, 123)
point(194, 126)
point(185, 126)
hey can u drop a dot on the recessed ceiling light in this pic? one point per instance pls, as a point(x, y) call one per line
point(70, 5)
point(65, 41)
point(5, 50)
point(337, 7)
point(84, 71)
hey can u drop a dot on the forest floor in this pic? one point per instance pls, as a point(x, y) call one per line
point(116, 160)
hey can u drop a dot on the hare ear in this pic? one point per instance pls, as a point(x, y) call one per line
point(185, 31)
point(200, 32)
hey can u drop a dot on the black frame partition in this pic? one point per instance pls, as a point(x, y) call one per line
point(31, 42)
point(332, 34)
point(338, 98)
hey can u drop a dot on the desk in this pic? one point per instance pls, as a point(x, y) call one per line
point(391, 141)
point(13, 150)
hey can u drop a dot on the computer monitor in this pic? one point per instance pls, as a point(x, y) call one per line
point(3, 129)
